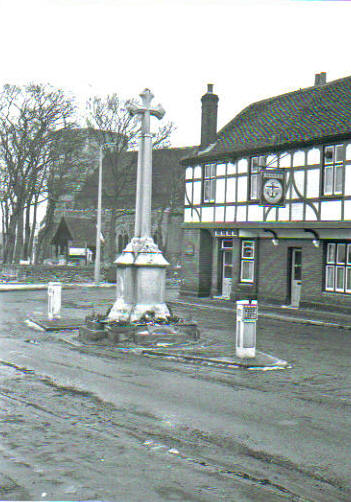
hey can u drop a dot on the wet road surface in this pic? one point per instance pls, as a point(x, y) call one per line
point(94, 424)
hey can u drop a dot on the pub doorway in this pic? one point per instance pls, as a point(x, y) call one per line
point(226, 266)
point(295, 276)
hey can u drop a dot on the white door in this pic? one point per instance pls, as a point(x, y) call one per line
point(296, 267)
point(227, 274)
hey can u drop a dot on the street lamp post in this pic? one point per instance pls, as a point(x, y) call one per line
point(98, 218)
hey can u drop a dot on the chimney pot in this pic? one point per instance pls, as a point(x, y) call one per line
point(322, 78)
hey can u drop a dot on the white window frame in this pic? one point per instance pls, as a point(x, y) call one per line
point(347, 286)
point(338, 289)
point(256, 164)
point(327, 287)
point(341, 245)
point(333, 165)
point(335, 261)
point(331, 246)
point(247, 261)
point(209, 183)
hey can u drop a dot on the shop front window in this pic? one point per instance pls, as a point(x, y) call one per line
point(247, 269)
point(338, 267)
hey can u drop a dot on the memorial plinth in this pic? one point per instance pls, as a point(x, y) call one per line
point(141, 282)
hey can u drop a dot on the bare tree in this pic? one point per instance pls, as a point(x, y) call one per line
point(66, 172)
point(29, 116)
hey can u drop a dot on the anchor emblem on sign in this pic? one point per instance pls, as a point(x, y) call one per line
point(272, 190)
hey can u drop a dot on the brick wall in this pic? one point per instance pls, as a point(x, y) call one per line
point(274, 275)
point(243, 291)
point(197, 263)
point(47, 273)
point(272, 271)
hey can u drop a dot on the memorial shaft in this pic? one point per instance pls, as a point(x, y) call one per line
point(141, 268)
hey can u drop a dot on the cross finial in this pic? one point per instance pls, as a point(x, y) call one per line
point(146, 98)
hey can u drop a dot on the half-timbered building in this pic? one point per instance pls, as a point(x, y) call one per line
point(238, 245)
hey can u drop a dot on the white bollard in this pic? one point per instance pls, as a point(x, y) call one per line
point(246, 319)
point(54, 300)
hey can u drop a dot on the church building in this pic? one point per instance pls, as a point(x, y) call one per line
point(267, 211)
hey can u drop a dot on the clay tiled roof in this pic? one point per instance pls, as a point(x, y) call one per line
point(304, 116)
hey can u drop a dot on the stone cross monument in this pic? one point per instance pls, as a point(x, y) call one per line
point(141, 268)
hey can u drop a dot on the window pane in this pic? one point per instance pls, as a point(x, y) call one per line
point(329, 278)
point(349, 254)
point(206, 191)
point(248, 249)
point(213, 189)
point(228, 257)
point(297, 273)
point(328, 180)
point(210, 170)
point(338, 179)
point(227, 243)
point(297, 256)
point(339, 153)
point(227, 272)
point(254, 186)
point(209, 190)
point(254, 164)
point(331, 253)
point(348, 279)
point(341, 253)
point(328, 154)
point(247, 271)
point(339, 282)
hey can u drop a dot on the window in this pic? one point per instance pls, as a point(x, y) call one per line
point(209, 193)
point(256, 163)
point(227, 266)
point(338, 267)
point(247, 261)
point(333, 169)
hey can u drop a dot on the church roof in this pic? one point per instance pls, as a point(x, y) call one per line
point(167, 178)
point(81, 231)
point(307, 115)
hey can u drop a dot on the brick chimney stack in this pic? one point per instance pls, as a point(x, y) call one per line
point(209, 117)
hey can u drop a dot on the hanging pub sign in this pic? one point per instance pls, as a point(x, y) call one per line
point(272, 187)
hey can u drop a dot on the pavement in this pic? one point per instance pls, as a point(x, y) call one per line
point(207, 351)
point(20, 286)
point(279, 312)
point(282, 313)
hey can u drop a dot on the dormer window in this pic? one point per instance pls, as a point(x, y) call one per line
point(333, 169)
point(209, 183)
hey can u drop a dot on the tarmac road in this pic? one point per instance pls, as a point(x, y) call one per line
point(91, 423)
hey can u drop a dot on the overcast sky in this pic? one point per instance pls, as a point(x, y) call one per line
point(249, 49)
